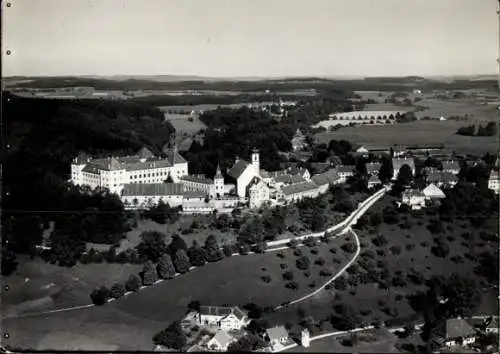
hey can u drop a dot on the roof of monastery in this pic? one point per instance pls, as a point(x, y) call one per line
point(289, 179)
point(346, 168)
point(197, 178)
point(373, 179)
point(412, 193)
point(398, 162)
point(373, 167)
point(299, 187)
point(152, 189)
point(238, 168)
point(326, 177)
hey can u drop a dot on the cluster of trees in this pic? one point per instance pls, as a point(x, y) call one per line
point(489, 129)
point(42, 138)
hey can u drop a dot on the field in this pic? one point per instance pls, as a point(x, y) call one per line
point(415, 255)
point(182, 124)
point(38, 286)
point(131, 322)
point(475, 112)
point(414, 133)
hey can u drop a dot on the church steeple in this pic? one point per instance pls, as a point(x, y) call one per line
point(218, 173)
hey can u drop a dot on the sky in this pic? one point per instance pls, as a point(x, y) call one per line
point(250, 38)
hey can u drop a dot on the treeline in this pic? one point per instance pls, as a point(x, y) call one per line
point(367, 84)
point(41, 137)
point(490, 129)
point(188, 100)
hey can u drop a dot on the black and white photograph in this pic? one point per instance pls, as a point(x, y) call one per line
point(250, 176)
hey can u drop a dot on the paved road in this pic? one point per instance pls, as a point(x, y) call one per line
point(345, 227)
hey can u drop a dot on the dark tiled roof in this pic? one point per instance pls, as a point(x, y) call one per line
point(193, 194)
point(444, 177)
point(289, 179)
point(451, 165)
point(373, 167)
point(346, 169)
point(82, 158)
point(137, 166)
point(238, 168)
point(373, 179)
point(240, 314)
point(327, 177)
point(412, 193)
point(299, 187)
point(215, 310)
point(91, 168)
point(277, 333)
point(197, 179)
point(151, 189)
point(145, 153)
point(458, 327)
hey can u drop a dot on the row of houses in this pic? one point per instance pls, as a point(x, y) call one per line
point(227, 324)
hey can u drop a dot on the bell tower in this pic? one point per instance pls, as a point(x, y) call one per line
point(256, 160)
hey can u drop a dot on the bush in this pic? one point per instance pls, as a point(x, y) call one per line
point(117, 291)
point(133, 283)
point(307, 274)
point(312, 284)
point(149, 275)
point(349, 247)
point(293, 285)
point(303, 263)
point(380, 241)
point(244, 249)
point(409, 246)
point(288, 275)
point(293, 243)
point(266, 278)
point(228, 250)
point(333, 250)
point(314, 251)
point(181, 262)
point(280, 255)
point(100, 296)
point(325, 272)
point(298, 252)
point(309, 242)
point(320, 261)
point(395, 250)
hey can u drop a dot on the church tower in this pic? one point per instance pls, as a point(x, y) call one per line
point(218, 183)
point(255, 160)
point(304, 338)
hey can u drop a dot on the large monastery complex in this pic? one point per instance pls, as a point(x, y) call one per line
point(141, 182)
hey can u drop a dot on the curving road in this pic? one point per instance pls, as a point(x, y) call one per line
point(345, 227)
point(340, 229)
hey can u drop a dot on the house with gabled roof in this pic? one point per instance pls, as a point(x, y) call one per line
point(373, 168)
point(326, 179)
point(226, 318)
point(451, 166)
point(220, 341)
point(277, 336)
point(298, 191)
point(441, 179)
point(414, 198)
point(345, 171)
point(433, 192)
point(258, 193)
point(373, 181)
point(456, 332)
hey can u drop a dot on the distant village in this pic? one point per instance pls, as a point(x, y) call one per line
point(143, 180)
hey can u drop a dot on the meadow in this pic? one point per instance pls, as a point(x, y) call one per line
point(130, 323)
point(414, 133)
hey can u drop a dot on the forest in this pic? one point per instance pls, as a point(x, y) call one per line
point(41, 137)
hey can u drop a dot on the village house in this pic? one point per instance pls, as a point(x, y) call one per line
point(345, 171)
point(373, 168)
point(325, 180)
point(226, 318)
point(398, 162)
point(451, 166)
point(277, 337)
point(456, 332)
point(220, 341)
point(414, 199)
point(258, 193)
point(296, 192)
point(114, 172)
point(494, 182)
point(433, 192)
point(298, 141)
point(442, 179)
point(373, 181)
